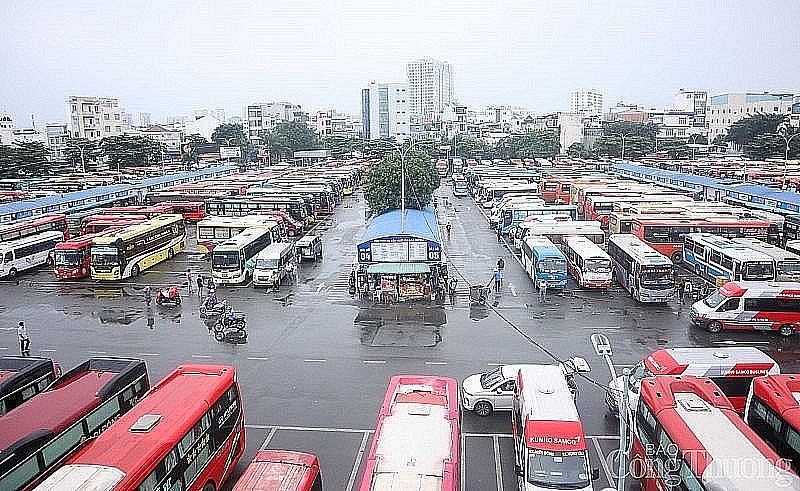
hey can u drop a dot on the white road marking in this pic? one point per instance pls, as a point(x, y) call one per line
point(96, 352)
point(357, 463)
point(461, 456)
point(737, 343)
point(601, 327)
point(601, 455)
point(148, 354)
point(319, 288)
point(47, 350)
point(497, 470)
point(375, 362)
point(201, 356)
point(312, 360)
point(513, 290)
point(308, 428)
point(495, 364)
point(260, 358)
point(271, 434)
point(436, 363)
point(3, 347)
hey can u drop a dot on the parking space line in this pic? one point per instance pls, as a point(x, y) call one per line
point(461, 455)
point(498, 471)
point(147, 354)
point(272, 432)
point(315, 360)
point(47, 351)
point(201, 356)
point(488, 435)
point(601, 327)
point(436, 363)
point(603, 437)
point(602, 456)
point(375, 362)
point(96, 352)
point(357, 463)
point(308, 428)
point(495, 364)
point(260, 358)
point(3, 347)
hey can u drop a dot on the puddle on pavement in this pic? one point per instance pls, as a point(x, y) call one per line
point(400, 326)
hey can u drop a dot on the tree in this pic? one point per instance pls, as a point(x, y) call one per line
point(288, 137)
point(578, 151)
point(232, 135)
point(765, 145)
point(90, 148)
point(342, 146)
point(676, 147)
point(535, 144)
point(24, 159)
point(469, 146)
point(189, 149)
point(743, 132)
point(720, 140)
point(382, 187)
point(130, 151)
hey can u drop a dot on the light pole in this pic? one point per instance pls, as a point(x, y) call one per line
point(403, 154)
point(622, 136)
point(786, 155)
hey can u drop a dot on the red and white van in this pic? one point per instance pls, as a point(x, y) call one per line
point(732, 369)
point(750, 306)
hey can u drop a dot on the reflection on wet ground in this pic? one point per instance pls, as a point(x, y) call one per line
point(411, 326)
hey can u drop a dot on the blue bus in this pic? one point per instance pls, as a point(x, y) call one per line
point(542, 260)
point(712, 257)
point(460, 188)
point(516, 213)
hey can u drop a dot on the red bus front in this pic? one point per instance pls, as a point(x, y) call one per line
point(281, 469)
point(71, 259)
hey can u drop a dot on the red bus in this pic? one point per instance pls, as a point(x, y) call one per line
point(192, 211)
point(417, 436)
point(666, 234)
point(39, 434)
point(441, 167)
point(101, 224)
point(44, 223)
point(71, 258)
point(186, 433)
point(22, 377)
point(109, 216)
point(281, 469)
point(773, 411)
point(686, 435)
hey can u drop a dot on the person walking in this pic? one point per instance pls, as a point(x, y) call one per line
point(542, 290)
point(148, 295)
point(498, 277)
point(199, 286)
point(449, 226)
point(679, 286)
point(24, 339)
point(499, 233)
point(189, 280)
point(500, 264)
point(688, 289)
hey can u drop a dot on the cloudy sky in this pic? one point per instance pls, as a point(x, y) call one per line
point(170, 57)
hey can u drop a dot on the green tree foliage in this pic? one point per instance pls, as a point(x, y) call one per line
point(342, 146)
point(469, 146)
point(639, 139)
point(530, 145)
point(631, 129)
point(189, 153)
point(382, 187)
point(232, 135)
point(288, 137)
point(578, 151)
point(91, 151)
point(743, 132)
point(130, 151)
point(676, 147)
point(24, 159)
point(720, 141)
point(765, 145)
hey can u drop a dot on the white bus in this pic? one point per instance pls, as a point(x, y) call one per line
point(549, 444)
point(587, 262)
point(644, 272)
point(214, 230)
point(28, 252)
point(555, 230)
point(712, 257)
point(233, 260)
point(787, 264)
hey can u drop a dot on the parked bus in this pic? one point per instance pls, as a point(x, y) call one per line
point(38, 435)
point(542, 260)
point(587, 262)
point(186, 433)
point(232, 261)
point(27, 253)
point(556, 230)
point(237, 206)
point(460, 188)
point(44, 223)
point(750, 306)
point(71, 259)
point(215, 230)
point(773, 411)
point(549, 444)
point(787, 264)
point(514, 214)
point(22, 377)
point(104, 218)
point(192, 211)
point(641, 270)
point(441, 167)
point(732, 369)
point(688, 436)
point(666, 234)
point(101, 225)
point(417, 437)
point(126, 252)
point(281, 470)
point(713, 257)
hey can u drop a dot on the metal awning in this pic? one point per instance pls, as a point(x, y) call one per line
point(398, 268)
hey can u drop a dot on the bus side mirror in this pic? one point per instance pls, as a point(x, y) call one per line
point(595, 474)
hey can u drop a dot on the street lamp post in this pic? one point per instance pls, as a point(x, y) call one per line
point(622, 137)
point(692, 142)
point(403, 154)
point(786, 155)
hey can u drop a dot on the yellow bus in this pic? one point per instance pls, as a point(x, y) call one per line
point(137, 247)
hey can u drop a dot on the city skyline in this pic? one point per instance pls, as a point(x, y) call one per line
point(172, 59)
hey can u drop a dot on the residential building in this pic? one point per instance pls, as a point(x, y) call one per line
point(385, 111)
point(725, 109)
point(6, 128)
point(264, 116)
point(588, 102)
point(695, 102)
point(168, 137)
point(57, 137)
point(675, 123)
point(10, 134)
point(333, 123)
point(203, 126)
point(94, 117)
point(430, 87)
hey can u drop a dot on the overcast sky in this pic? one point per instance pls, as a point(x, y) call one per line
point(170, 57)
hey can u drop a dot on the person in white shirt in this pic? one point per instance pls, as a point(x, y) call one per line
point(24, 340)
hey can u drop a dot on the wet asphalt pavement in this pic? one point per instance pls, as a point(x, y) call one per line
point(316, 364)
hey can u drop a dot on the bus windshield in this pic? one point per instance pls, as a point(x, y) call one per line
point(789, 268)
point(562, 470)
point(597, 265)
point(659, 277)
point(491, 378)
point(759, 271)
point(714, 300)
point(70, 259)
point(225, 260)
point(266, 263)
point(638, 372)
point(104, 256)
point(552, 265)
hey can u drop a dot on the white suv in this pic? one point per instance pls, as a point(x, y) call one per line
point(490, 391)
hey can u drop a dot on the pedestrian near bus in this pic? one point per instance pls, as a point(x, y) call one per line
point(542, 290)
point(688, 288)
point(148, 295)
point(24, 339)
point(498, 277)
point(199, 286)
point(500, 264)
point(189, 280)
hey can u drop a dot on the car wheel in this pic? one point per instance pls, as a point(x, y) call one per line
point(483, 409)
point(786, 330)
point(715, 327)
point(135, 271)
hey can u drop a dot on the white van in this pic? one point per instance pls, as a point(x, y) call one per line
point(28, 252)
point(309, 247)
point(274, 264)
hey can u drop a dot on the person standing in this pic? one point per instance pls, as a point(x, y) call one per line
point(500, 264)
point(499, 233)
point(199, 286)
point(687, 290)
point(189, 280)
point(24, 339)
point(679, 286)
point(148, 295)
point(498, 277)
point(543, 290)
point(449, 227)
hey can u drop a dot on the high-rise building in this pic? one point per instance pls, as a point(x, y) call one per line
point(94, 117)
point(586, 102)
point(430, 87)
point(265, 115)
point(726, 109)
point(384, 111)
point(693, 101)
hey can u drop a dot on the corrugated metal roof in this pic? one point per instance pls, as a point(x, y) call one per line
point(398, 268)
point(418, 223)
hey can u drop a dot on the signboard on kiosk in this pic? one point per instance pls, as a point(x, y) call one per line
point(399, 249)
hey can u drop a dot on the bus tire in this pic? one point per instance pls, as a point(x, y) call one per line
point(49, 260)
point(715, 327)
point(677, 257)
point(12, 273)
point(209, 487)
point(786, 330)
point(177, 300)
point(218, 327)
point(135, 271)
point(170, 253)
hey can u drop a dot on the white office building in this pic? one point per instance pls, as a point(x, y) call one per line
point(430, 87)
point(94, 117)
point(385, 111)
point(587, 102)
point(265, 115)
point(726, 109)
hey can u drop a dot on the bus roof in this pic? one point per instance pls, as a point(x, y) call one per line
point(772, 250)
point(760, 289)
point(305, 240)
point(639, 250)
point(242, 238)
point(730, 247)
point(782, 394)
point(571, 227)
point(13, 366)
point(584, 247)
point(82, 241)
point(741, 361)
point(52, 234)
point(279, 469)
point(542, 246)
point(137, 229)
point(718, 444)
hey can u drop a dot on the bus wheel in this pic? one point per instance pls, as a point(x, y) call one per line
point(12, 273)
point(716, 327)
point(170, 253)
point(786, 330)
point(677, 257)
point(135, 271)
point(209, 487)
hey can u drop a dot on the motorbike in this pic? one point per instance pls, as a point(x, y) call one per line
point(220, 308)
point(231, 335)
point(232, 321)
point(170, 297)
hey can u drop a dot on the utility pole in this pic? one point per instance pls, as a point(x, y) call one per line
point(602, 347)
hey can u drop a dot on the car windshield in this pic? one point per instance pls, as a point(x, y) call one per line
point(562, 470)
point(758, 271)
point(104, 256)
point(225, 260)
point(597, 265)
point(552, 266)
point(266, 263)
point(714, 300)
point(789, 268)
point(492, 377)
point(70, 259)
